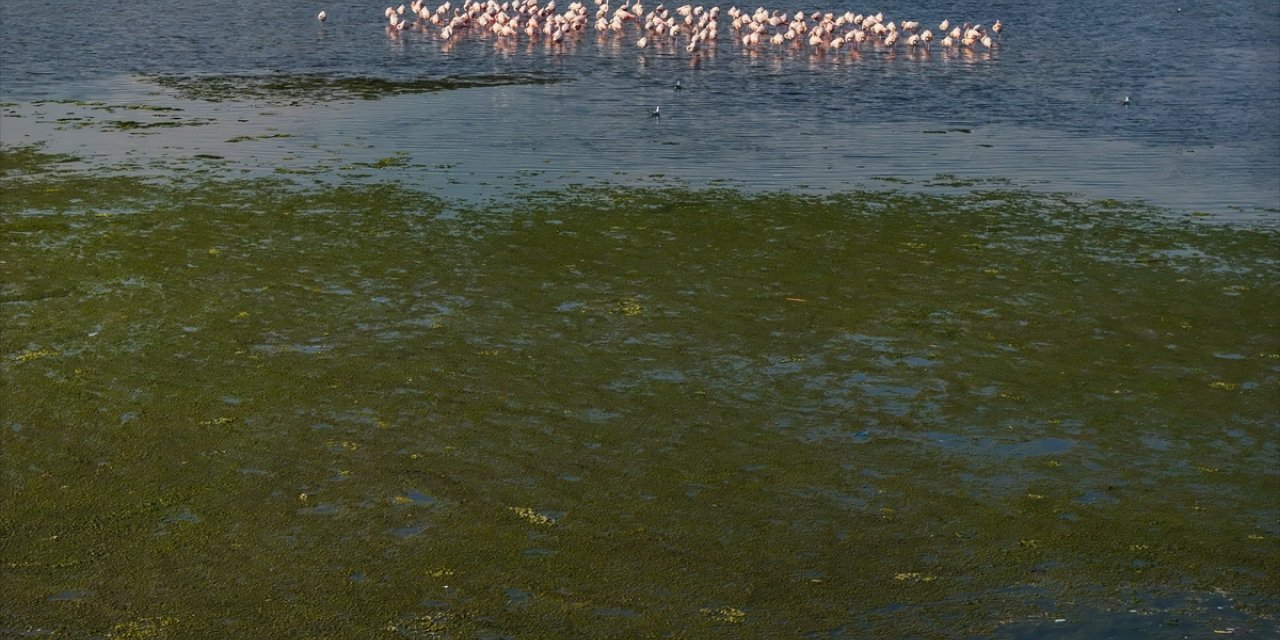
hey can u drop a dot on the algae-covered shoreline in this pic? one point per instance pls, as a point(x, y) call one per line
point(252, 408)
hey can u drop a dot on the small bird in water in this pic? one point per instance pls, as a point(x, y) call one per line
point(322, 17)
point(678, 87)
point(657, 112)
point(1125, 102)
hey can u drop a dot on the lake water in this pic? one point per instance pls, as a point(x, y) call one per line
point(886, 344)
point(1042, 110)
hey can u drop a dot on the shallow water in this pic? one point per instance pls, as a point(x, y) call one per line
point(824, 352)
point(1041, 110)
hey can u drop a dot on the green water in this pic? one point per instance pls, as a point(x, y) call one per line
point(253, 409)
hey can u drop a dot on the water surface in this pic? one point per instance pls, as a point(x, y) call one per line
point(840, 347)
point(1042, 109)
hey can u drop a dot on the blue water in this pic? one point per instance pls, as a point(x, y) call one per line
point(1042, 110)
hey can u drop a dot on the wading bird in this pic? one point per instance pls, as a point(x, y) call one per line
point(694, 29)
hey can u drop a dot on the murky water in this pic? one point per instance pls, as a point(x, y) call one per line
point(820, 353)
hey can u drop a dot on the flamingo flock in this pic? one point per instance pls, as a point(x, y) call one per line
point(690, 27)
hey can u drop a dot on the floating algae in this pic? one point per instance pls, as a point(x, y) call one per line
point(873, 414)
point(302, 88)
point(133, 125)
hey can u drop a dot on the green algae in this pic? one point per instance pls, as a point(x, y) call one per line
point(141, 107)
point(161, 117)
point(390, 161)
point(305, 88)
point(364, 411)
point(952, 180)
point(265, 136)
point(132, 125)
point(29, 160)
point(108, 107)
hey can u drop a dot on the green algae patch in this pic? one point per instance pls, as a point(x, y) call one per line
point(134, 125)
point(37, 184)
point(952, 180)
point(140, 118)
point(399, 160)
point(141, 107)
point(265, 136)
point(108, 107)
point(304, 88)
point(30, 160)
point(364, 411)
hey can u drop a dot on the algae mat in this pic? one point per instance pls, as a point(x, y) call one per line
point(310, 88)
point(254, 409)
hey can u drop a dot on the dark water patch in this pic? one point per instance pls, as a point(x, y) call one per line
point(296, 89)
point(409, 531)
point(517, 597)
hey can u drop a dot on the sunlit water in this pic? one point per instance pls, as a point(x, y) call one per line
point(1042, 110)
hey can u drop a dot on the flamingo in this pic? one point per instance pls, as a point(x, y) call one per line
point(695, 25)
